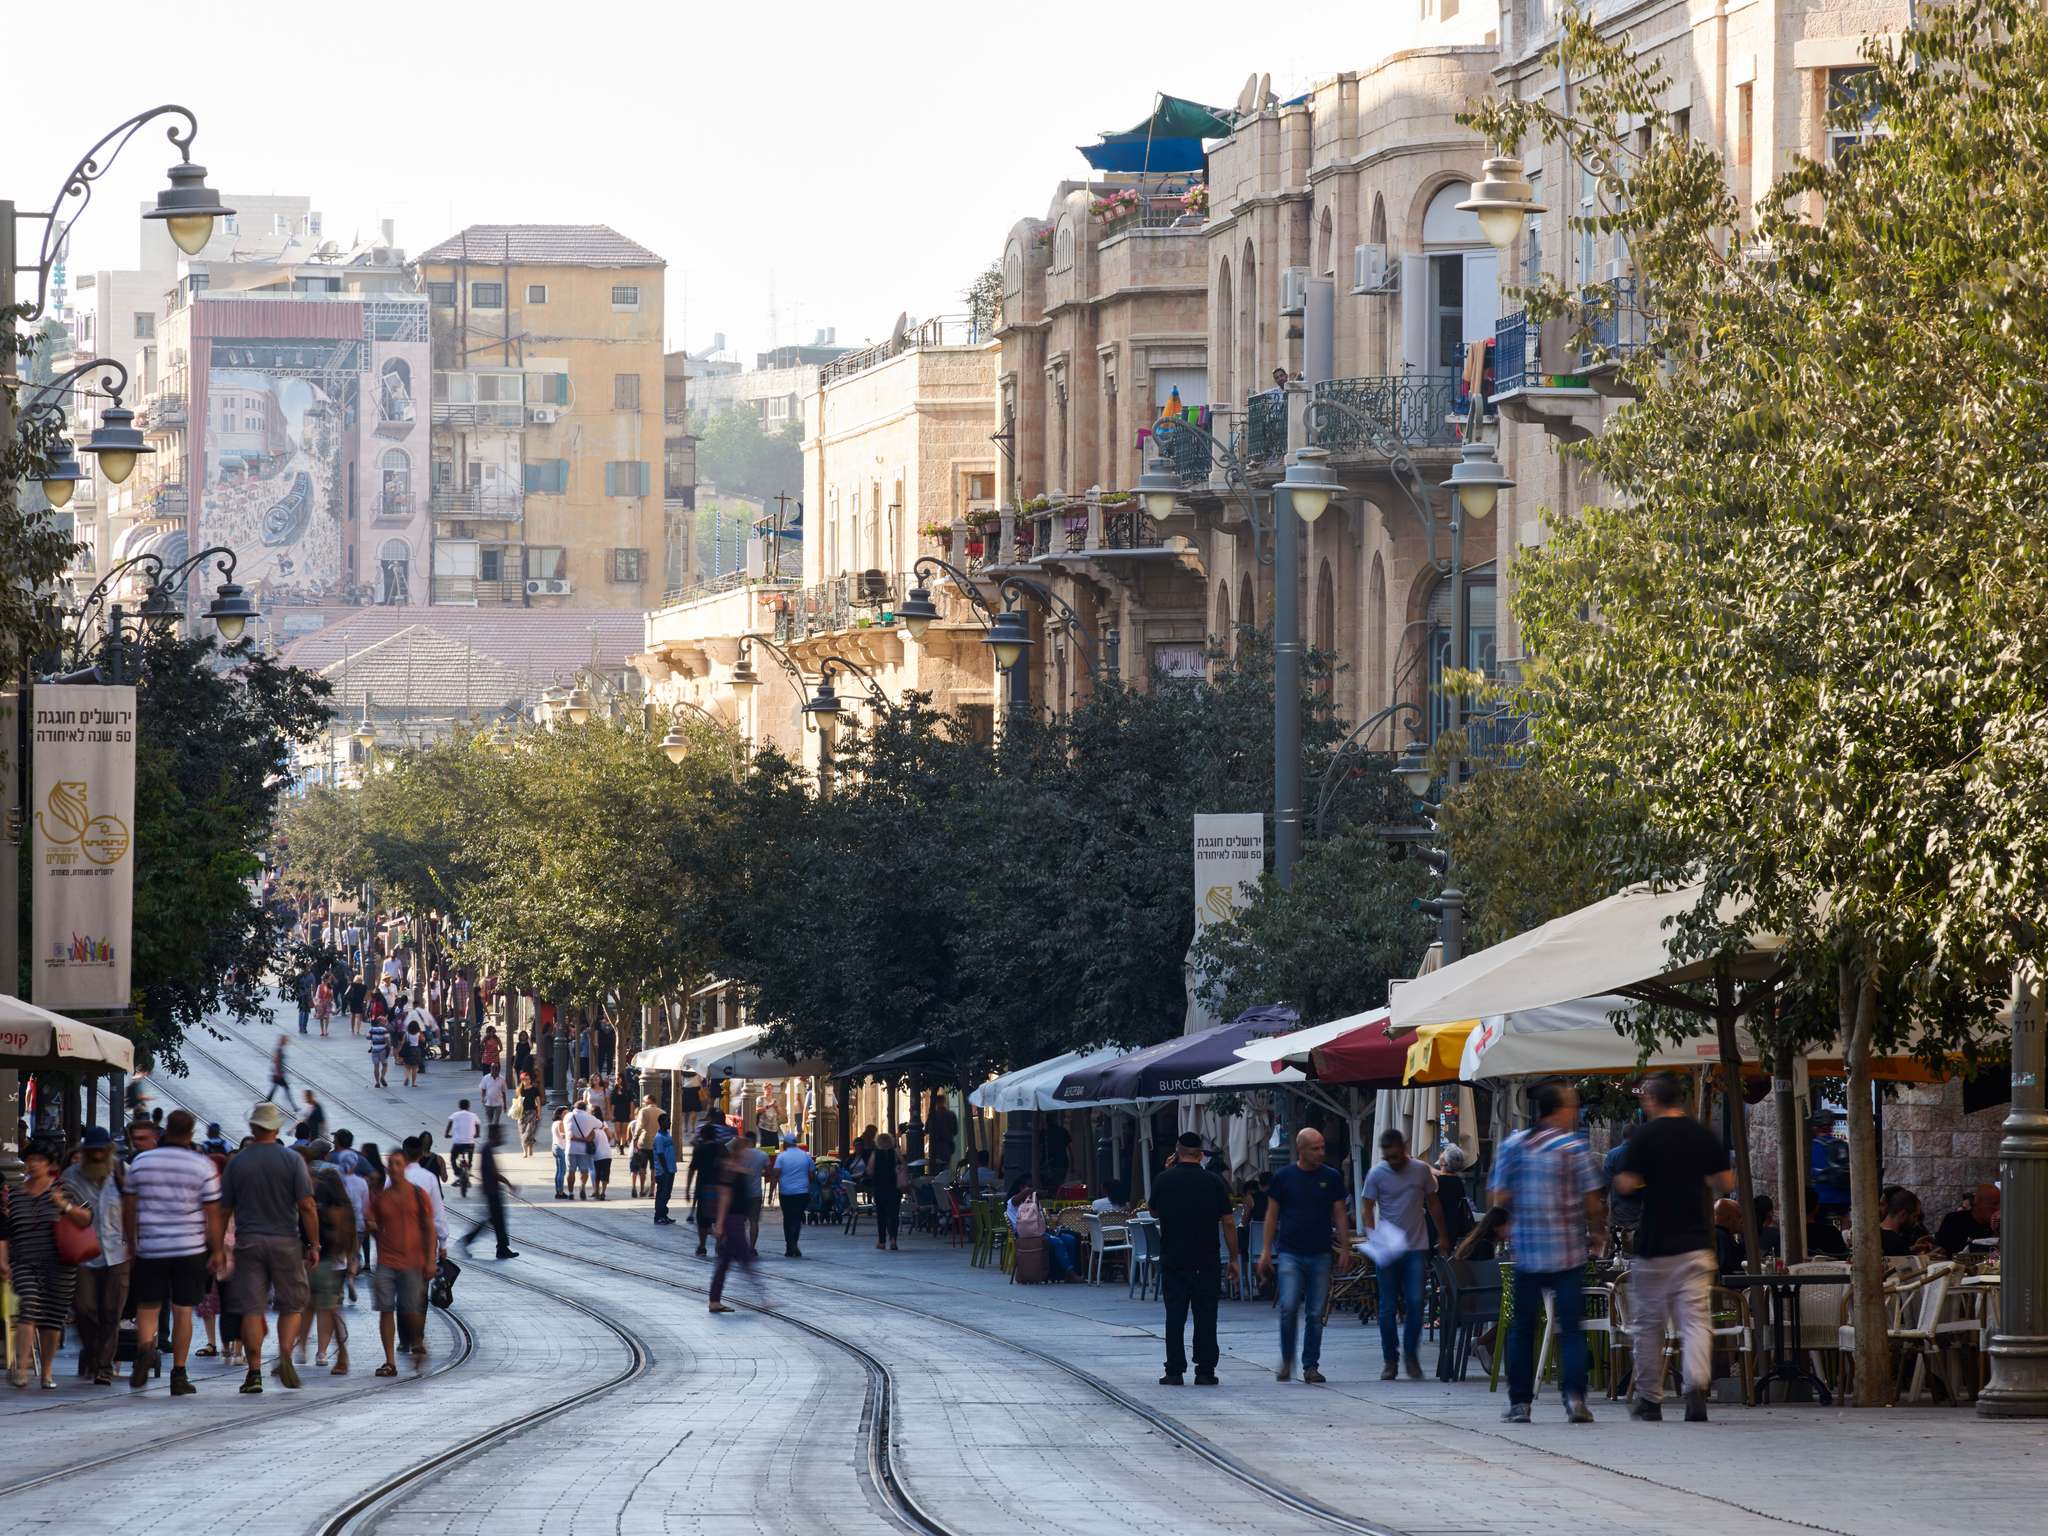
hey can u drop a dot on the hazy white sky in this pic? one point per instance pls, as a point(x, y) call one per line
point(840, 161)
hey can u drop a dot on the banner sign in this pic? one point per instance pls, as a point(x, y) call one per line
point(1230, 853)
point(82, 862)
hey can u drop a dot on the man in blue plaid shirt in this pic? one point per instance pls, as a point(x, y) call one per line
point(1547, 1181)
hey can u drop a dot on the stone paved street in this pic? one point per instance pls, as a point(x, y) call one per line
point(747, 1422)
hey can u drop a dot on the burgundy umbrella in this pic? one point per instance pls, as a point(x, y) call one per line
point(1364, 1058)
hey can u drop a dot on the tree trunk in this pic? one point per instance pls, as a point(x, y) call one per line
point(1726, 1011)
point(1858, 1002)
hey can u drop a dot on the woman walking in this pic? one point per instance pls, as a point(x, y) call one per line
point(43, 1283)
point(529, 1112)
point(412, 1052)
point(353, 999)
point(883, 1171)
point(323, 1005)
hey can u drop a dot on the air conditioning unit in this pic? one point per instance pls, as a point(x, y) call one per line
point(557, 588)
point(1293, 290)
point(535, 588)
point(1369, 270)
point(544, 415)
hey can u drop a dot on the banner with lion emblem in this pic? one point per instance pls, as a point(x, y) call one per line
point(82, 814)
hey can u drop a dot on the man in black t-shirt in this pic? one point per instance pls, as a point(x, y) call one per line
point(1977, 1221)
point(1193, 1206)
point(1678, 1165)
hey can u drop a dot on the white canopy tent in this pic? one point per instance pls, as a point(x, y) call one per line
point(34, 1039)
point(728, 1053)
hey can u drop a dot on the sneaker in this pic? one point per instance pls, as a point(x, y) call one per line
point(103, 1378)
point(252, 1384)
point(1413, 1366)
point(1286, 1371)
point(1576, 1411)
point(1389, 1371)
point(138, 1375)
point(1173, 1379)
point(181, 1384)
point(1206, 1379)
point(1312, 1376)
point(1517, 1413)
point(287, 1372)
point(1645, 1411)
point(507, 1253)
point(1695, 1407)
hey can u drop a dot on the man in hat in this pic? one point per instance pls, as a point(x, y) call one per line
point(269, 1193)
point(1194, 1211)
point(96, 1182)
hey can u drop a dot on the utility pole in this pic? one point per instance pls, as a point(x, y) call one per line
point(2018, 1352)
point(13, 699)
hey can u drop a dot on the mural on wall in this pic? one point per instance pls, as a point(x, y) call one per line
point(315, 457)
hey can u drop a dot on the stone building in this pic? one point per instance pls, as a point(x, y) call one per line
point(551, 439)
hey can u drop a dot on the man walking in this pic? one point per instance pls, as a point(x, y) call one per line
point(1547, 1182)
point(172, 1212)
point(403, 1222)
point(794, 1168)
point(268, 1192)
point(1398, 1193)
point(1677, 1163)
point(580, 1128)
point(1306, 1223)
point(495, 1184)
point(1193, 1207)
point(662, 1157)
point(96, 1182)
point(492, 1092)
point(277, 1078)
point(739, 1204)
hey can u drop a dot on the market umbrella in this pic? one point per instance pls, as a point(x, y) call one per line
point(1363, 1056)
point(34, 1039)
point(1435, 1050)
point(727, 1053)
point(1172, 1067)
point(1031, 1088)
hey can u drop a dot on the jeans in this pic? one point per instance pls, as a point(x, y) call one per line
point(1568, 1285)
point(795, 1204)
point(1304, 1284)
point(1674, 1289)
point(561, 1169)
point(1400, 1280)
point(305, 1013)
point(1196, 1291)
point(664, 1186)
point(101, 1294)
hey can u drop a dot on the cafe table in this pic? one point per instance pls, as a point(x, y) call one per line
point(1788, 1361)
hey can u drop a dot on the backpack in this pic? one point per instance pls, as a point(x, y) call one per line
point(1030, 1219)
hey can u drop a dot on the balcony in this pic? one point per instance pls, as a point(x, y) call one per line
point(475, 505)
point(489, 415)
point(165, 413)
point(474, 591)
point(1563, 404)
point(1130, 209)
point(170, 500)
point(1515, 344)
point(1186, 453)
point(939, 331)
point(393, 508)
point(1413, 411)
point(1265, 438)
point(492, 401)
point(1618, 326)
point(832, 607)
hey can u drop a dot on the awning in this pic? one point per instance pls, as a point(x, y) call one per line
point(1172, 1067)
point(1364, 1056)
point(1131, 152)
point(34, 1039)
point(1031, 1088)
point(916, 1056)
point(1275, 1061)
point(1611, 946)
point(1435, 1050)
point(1176, 118)
point(728, 1053)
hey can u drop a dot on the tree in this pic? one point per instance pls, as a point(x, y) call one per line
point(1811, 632)
point(737, 454)
point(35, 548)
point(984, 298)
point(212, 741)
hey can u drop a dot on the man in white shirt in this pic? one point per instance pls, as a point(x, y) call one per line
point(559, 1139)
point(492, 1092)
point(463, 1130)
point(424, 1178)
point(580, 1126)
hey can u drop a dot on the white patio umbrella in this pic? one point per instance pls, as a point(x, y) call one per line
point(34, 1039)
point(1031, 1088)
point(727, 1053)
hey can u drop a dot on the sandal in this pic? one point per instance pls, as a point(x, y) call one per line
point(207, 1353)
point(387, 1370)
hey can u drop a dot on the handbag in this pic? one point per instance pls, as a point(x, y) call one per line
point(75, 1244)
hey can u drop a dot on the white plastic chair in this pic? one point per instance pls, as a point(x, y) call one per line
point(1103, 1241)
point(1144, 1245)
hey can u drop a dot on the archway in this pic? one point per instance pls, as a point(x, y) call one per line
point(1226, 335)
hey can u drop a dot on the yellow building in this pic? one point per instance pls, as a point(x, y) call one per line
point(547, 480)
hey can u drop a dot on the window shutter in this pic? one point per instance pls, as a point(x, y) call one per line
point(530, 476)
point(611, 479)
point(562, 389)
point(1482, 294)
point(643, 479)
point(1415, 314)
point(561, 476)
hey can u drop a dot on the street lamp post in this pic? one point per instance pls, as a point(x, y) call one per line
point(2018, 1351)
point(188, 208)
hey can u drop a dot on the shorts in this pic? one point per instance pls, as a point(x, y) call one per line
point(639, 1161)
point(581, 1162)
point(398, 1290)
point(601, 1169)
point(181, 1280)
point(325, 1283)
point(265, 1268)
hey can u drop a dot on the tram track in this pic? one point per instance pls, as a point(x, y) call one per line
point(879, 1467)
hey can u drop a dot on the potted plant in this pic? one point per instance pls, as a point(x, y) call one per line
point(1197, 200)
point(1038, 503)
point(1114, 206)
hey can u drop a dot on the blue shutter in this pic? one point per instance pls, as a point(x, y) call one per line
point(562, 477)
point(611, 479)
point(644, 479)
point(530, 474)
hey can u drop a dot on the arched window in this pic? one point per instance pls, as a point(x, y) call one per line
point(1225, 637)
point(1226, 345)
point(394, 484)
point(1326, 244)
point(1378, 686)
point(1248, 320)
point(1325, 620)
point(394, 572)
point(1013, 269)
point(1462, 300)
point(1247, 610)
point(1063, 246)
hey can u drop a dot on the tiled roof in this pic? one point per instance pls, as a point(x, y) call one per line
point(544, 245)
point(544, 644)
point(422, 668)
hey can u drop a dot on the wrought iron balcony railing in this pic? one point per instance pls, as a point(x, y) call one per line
point(1515, 353)
point(1414, 411)
point(1266, 426)
point(1617, 319)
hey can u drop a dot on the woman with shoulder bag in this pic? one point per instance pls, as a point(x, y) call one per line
point(47, 1235)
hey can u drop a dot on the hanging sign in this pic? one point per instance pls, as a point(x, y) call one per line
point(82, 854)
point(1230, 854)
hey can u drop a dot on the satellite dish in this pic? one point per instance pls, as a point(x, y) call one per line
point(1248, 98)
point(1265, 92)
point(897, 331)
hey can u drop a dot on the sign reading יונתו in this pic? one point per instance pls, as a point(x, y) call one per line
point(81, 811)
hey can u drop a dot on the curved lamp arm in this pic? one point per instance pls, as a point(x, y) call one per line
point(1399, 461)
point(1234, 474)
point(164, 585)
point(874, 687)
point(79, 184)
point(961, 579)
point(1060, 609)
point(44, 402)
point(787, 661)
point(1352, 746)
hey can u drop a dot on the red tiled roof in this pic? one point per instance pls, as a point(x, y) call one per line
point(545, 644)
point(544, 245)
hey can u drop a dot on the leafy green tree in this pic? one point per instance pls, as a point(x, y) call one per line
point(1809, 630)
point(736, 453)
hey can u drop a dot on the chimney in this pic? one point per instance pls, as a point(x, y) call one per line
point(390, 229)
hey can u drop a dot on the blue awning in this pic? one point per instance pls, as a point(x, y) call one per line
point(1129, 152)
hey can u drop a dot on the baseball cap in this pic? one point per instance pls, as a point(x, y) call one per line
point(95, 1139)
point(789, 1138)
point(319, 1149)
point(266, 1117)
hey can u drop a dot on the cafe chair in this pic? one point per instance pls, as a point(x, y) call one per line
point(1105, 1243)
point(1144, 1260)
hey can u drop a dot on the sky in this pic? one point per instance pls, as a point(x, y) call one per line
point(799, 165)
